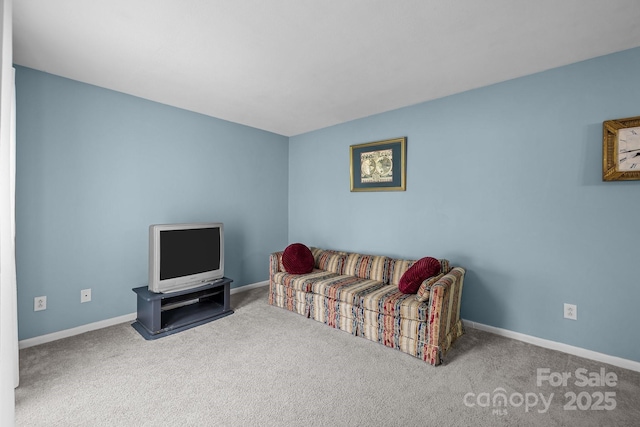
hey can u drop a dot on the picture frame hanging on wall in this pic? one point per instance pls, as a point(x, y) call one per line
point(621, 149)
point(379, 165)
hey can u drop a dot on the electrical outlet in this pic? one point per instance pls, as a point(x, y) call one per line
point(570, 311)
point(39, 303)
point(85, 295)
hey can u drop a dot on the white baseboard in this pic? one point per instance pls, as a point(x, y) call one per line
point(42, 339)
point(249, 287)
point(553, 345)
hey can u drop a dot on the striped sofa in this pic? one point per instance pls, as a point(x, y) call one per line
point(359, 294)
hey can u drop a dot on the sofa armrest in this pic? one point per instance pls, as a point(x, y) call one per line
point(275, 263)
point(444, 314)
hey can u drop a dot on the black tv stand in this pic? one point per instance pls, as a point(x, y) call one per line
point(160, 315)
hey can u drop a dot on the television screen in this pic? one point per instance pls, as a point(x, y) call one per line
point(185, 252)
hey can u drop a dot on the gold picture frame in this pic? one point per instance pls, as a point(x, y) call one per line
point(379, 165)
point(621, 149)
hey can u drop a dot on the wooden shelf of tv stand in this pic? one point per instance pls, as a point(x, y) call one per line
point(160, 315)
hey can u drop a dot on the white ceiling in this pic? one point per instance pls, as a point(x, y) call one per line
point(292, 66)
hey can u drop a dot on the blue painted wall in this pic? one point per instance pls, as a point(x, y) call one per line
point(504, 181)
point(95, 168)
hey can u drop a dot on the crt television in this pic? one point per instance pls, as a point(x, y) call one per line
point(184, 256)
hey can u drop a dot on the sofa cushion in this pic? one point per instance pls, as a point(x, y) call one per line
point(316, 254)
point(425, 287)
point(301, 282)
point(331, 261)
point(297, 259)
point(374, 267)
point(417, 273)
point(390, 301)
point(343, 288)
point(397, 267)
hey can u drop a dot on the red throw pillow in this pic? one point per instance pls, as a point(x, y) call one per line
point(416, 274)
point(297, 259)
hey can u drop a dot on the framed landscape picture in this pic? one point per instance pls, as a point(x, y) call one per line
point(379, 166)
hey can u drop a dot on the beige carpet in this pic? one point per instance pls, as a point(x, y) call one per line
point(265, 366)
